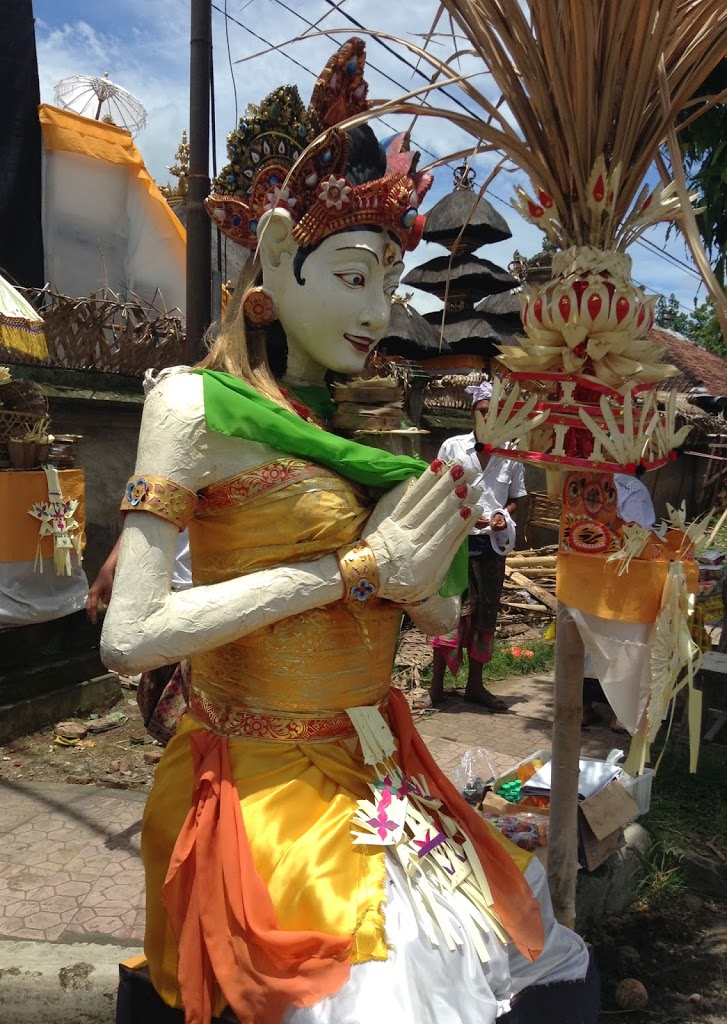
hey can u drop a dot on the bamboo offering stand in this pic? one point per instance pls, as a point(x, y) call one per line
point(591, 90)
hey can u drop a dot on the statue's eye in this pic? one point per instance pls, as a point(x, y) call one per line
point(354, 279)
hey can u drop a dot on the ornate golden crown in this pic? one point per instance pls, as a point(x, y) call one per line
point(266, 171)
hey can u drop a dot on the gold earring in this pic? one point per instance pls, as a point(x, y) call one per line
point(258, 307)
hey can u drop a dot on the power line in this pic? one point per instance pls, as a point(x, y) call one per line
point(297, 63)
point(644, 242)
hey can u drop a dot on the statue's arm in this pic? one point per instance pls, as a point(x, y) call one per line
point(148, 625)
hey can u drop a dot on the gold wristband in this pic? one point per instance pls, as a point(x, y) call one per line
point(358, 572)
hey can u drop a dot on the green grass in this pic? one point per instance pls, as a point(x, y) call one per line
point(688, 812)
point(505, 664)
point(690, 808)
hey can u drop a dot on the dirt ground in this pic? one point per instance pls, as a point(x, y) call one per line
point(120, 758)
point(679, 954)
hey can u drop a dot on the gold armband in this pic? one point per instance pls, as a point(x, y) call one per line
point(163, 498)
point(358, 572)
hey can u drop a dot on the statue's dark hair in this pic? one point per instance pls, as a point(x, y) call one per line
point(366, 156)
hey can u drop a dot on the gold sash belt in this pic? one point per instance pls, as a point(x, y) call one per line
point(243, 723)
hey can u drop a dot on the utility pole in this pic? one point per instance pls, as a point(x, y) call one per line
point(199, 226)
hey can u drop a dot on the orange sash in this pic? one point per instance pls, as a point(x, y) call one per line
point(514, 902)
point(223, 918)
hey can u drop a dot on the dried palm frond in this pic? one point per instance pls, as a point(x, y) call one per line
point(590, 79)
point(589, 93)
point(592, 90)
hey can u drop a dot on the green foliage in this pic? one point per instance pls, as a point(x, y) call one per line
point(670, 315)
point(701, 325)
point(704, 147)
point(705, 329)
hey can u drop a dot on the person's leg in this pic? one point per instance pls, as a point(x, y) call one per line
point(436, 689)
point(487, 575)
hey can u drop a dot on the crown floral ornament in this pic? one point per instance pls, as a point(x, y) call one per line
point(284, 155)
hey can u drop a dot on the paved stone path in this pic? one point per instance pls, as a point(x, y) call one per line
point(69, 855)
point(69, 863)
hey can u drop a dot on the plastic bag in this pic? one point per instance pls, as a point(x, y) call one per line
point(526, 830)
point(474, 774)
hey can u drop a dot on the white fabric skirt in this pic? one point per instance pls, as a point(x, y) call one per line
point(425, 984)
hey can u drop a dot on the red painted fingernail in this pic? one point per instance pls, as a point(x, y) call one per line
point(436, 465)
point(465, 512)
point(461, 491)
point(456, 472)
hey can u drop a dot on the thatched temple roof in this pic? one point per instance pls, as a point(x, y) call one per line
point(484, 223)
point(466, 274)
point(506, 304)
point(471, 331)
point(411, 336)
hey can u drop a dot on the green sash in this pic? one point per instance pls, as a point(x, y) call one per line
point(235, 408)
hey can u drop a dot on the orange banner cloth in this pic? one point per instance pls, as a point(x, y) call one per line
point(73, 133)
point(587, 583)
point(18, 491)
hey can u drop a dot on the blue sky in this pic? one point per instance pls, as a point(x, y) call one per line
point(144, 46)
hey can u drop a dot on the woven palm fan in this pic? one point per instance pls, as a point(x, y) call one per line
point(21, 326)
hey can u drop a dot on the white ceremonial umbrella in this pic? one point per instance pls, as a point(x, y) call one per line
point(102, 100)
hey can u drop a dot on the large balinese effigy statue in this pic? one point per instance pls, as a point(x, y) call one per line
point(306, 860)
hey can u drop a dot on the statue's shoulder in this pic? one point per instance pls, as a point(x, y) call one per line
point(175, 391)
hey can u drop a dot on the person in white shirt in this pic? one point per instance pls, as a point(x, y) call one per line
point(503, 485)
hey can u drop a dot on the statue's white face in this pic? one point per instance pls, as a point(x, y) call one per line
point(335, 306)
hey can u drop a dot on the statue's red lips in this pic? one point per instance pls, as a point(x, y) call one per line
point(359, 342)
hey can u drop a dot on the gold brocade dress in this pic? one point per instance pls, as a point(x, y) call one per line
point(279, 695)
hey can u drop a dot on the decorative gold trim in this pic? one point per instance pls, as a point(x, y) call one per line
point(162, 497)
point(358, 572)
point(247, 723)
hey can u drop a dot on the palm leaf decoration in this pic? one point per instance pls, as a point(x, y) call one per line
point(593, 91)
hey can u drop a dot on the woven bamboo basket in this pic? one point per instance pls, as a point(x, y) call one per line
point(14, 423)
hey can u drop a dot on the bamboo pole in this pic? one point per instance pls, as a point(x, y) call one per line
point(717, 528)
point(531, 562)
point(567, 715)
point(532, 588)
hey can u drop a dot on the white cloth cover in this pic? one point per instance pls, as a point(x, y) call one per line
point(27, 596)
point(105, 223)
point(424, 984)
point(633, 501)
point(618, 654)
